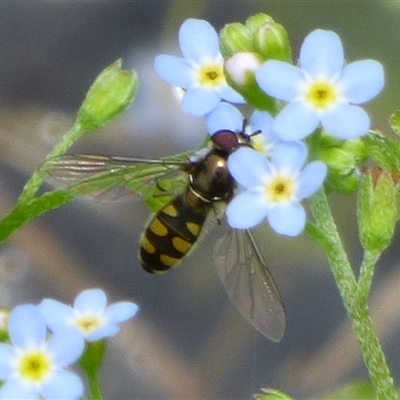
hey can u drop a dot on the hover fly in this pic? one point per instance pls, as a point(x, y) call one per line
point(185, 191)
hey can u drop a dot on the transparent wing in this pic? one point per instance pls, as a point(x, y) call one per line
point(249, 284)
point(112, 178)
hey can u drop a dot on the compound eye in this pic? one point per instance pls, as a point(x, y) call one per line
point(225, 139)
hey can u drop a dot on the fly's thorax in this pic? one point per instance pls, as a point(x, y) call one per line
point(210, 179)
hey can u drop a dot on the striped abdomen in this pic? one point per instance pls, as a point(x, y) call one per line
point(171, 234)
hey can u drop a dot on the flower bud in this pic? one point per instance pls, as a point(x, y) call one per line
point(377, 208)
point(343, 157)
point(110, 94)
point(234, 38)
point(260, 34)
point(240, 72)
point(272, 42)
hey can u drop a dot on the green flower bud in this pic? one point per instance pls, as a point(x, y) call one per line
point(240, 72)
point(272, 42)
point(260, 34)
point(377, 209)
point(110, 94)
point(342, 158)
point(256, 21)
point(234, 38)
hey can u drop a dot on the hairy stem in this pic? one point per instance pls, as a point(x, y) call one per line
point(324, 231)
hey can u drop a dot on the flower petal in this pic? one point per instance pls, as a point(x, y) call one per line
point(289, 156)
point(248, 167)
point(121, 311)
point(200, 101)
point(321, 54)
point(311, 179)
point(295, 122)
point(174, 70)
point(6, 356)
point(198, 40)
point(90, 300)
point(66, 345)
point(55, 313)
point(63, 385)
point(288, 220)
point(246, 210)
point(362, 80)
point(34, 329)
point(279, 79)
point(346, 122)
point(15, 390)
point(102, 332)
point(224, 116)
point(262, 121)
point(229, 94)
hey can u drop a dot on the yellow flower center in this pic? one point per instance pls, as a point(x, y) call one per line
point(34, 366)
point(280, 189)
point(260, 144)
point(88, 323)
point(211, 75)
point(322, 94)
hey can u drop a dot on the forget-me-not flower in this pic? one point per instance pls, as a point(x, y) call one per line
point(201, 70)
point(90, 314)
point(322, 89)
point(273, 189)
point(33, 366)
point(227, 117)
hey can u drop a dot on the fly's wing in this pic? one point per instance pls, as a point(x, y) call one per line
point(249, 284)
point(111, 178)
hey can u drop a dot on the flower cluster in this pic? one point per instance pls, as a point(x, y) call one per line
point(48, 338)
point(319, 96)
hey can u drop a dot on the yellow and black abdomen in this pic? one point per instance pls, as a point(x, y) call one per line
point(172, 233)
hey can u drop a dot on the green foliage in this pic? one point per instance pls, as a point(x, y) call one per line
point(90, 363)
point(343, 157)
point(260, 34)
point(353, 391)
point(394, 121)
point(246, 46)
point(377, 209)
point(384, 150)
point(111, 93)
point(271, 394)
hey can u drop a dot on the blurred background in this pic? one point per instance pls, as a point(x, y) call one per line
point(188, 341)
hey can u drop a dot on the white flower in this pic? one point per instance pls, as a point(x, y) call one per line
point(33, 366)
point(89, 315)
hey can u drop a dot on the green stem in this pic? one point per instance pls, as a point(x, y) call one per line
point(94, 387)
point(366, 274)
point(24, 212)
point(39, 176)
point(324, 231)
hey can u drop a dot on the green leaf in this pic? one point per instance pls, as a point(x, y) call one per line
point(24, 212)
point(271, 394)
point(394, 121)
point(354, 391)
point(384, 150)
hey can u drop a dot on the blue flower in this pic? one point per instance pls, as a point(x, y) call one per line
point(90, 315)
point(322, 90)
point(33, 366)
point(227, 117)
point(273, 189)
point(201, 70)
